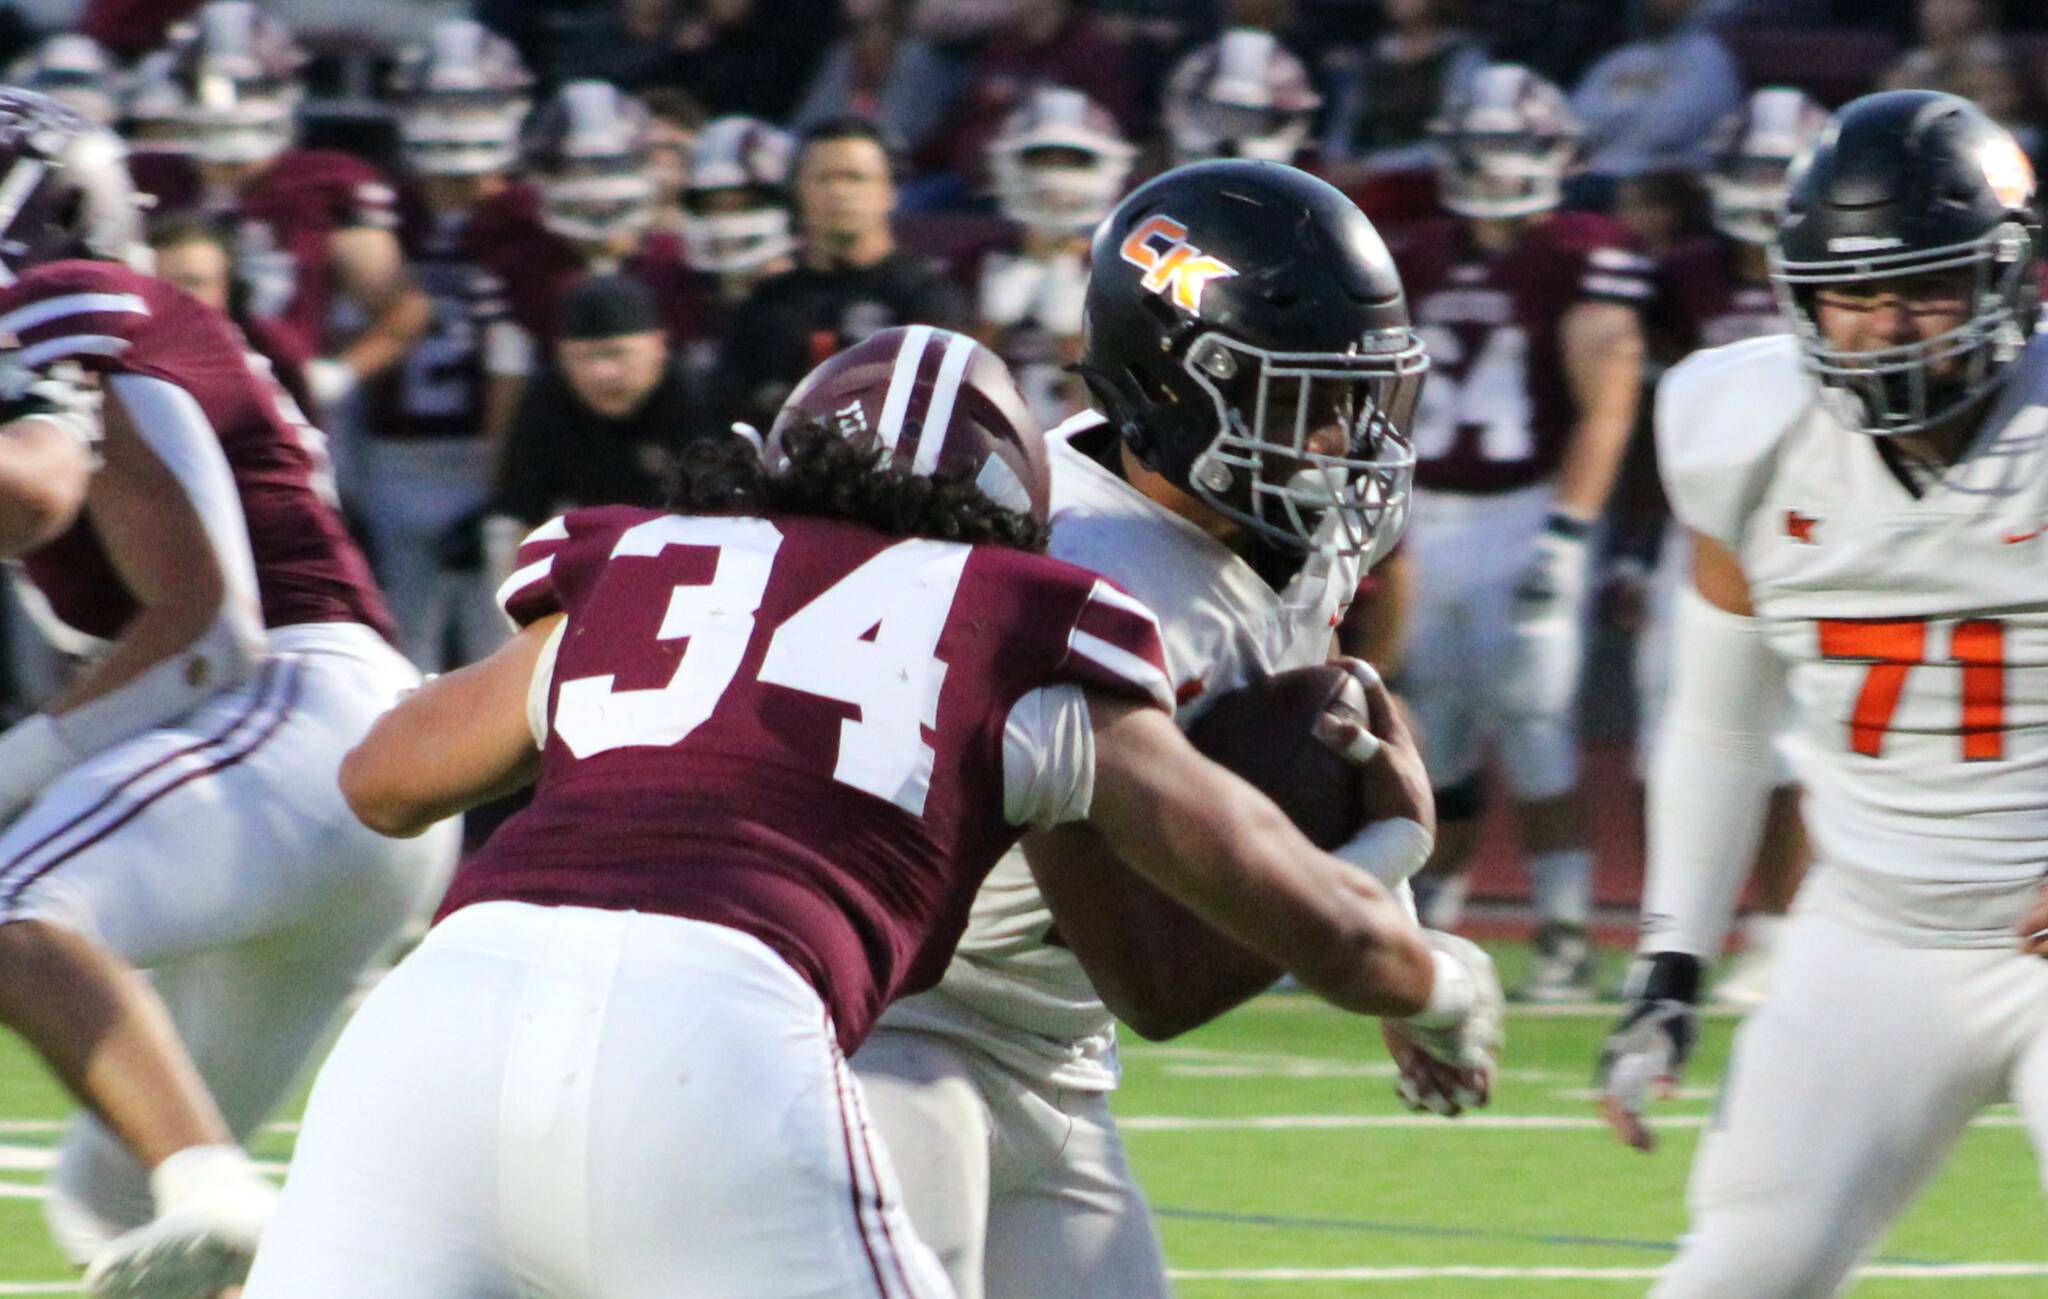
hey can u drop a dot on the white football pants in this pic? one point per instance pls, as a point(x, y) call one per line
point(217, 854)
point(1019, 1187)
point(1845, 1094)
point(590, 1104)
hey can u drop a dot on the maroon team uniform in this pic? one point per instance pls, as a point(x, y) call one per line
point(437, 390)
point(744, 823)
point(1704, 302)
point(1491, 322)
point(283, 220)
point(114, 320)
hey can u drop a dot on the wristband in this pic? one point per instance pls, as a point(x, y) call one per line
point(1663, 976)
point(1389, 851)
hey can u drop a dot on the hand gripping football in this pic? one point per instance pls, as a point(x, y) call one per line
point(1266, 733)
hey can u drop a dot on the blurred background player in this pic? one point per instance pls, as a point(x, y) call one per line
point(174, 807)
point(1715, 289)
point(737, 228)
point(1531, 318)
point(1058, 165)
point(1243, 95)
point(313, 227)
point(720, 883)
point(432, 424)
point(674, 121)
point(75, 71)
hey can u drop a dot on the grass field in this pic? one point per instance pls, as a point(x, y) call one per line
point(1282, 1168)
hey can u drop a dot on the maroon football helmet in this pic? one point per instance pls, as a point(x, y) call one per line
point(944, 406)
point(64, 187)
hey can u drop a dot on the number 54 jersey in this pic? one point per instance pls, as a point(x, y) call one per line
point(1912, 622)
point(804, 730)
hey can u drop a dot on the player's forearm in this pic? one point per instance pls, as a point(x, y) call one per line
point(459, 740)
point(44, 468)
point(1710, 779)
point(390, 335)
point(1604, 359)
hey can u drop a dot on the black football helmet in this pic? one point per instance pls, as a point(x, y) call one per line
point(64, 188)
point(1907, 183)
point(1237, 312)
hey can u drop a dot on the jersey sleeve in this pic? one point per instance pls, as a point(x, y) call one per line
point(85, 312)
point(1048, 758)
point(531, 593)
point(1114, 645)
point(363, 198)
point(1608, 273)
point(1719, 417)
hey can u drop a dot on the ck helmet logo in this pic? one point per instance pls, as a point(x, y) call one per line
point(1173, 267)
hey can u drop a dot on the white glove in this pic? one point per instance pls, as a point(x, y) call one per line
point(331, 379)
point(1543, 668)
point(1464, 1024)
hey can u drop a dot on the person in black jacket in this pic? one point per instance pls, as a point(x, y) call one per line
point(851, 280)
point(602, 425)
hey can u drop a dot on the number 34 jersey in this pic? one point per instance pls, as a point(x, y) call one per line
point(804, 730)
point(1913, 628)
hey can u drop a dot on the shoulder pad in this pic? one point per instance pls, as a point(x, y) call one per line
point(1721, 415)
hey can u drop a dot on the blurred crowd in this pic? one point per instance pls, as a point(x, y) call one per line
point(506, 256)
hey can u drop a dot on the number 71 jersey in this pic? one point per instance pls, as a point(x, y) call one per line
point(803, 729)
point(1914, 629)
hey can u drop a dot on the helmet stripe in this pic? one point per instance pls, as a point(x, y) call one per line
point(945, 392)
point(902, 381)
point(22, 179)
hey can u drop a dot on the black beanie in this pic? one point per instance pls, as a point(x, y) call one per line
point(607, 306)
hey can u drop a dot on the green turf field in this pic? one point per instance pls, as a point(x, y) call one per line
point(1282, 1168)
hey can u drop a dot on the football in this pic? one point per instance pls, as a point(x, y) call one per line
point(1265, 732)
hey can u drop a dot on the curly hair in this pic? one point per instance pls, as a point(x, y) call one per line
point(829, 478)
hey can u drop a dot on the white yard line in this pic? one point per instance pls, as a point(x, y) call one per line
point(1886, 1271)
point(1469, 1123)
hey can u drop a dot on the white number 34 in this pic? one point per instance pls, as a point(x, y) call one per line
point(869, 640)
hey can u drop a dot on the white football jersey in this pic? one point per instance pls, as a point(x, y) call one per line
point(1914, 630)
point(1014, 995)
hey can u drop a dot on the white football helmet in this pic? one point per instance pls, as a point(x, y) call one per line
point(1241, 96)
point(736, 200)
point(1752, 150)
point(1508, 137)
point(586, 148)
point(153, 106)
point(461, 98)
point(76, 72)
point(1059, 163)
point(239, 70)
point(67, 188)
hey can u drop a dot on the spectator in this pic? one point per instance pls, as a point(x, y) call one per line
point(746, 56)
point(1556, 39)
point(1051, 41)
point(1244, 95)
point(1949, 29)
point(850, 281)
point(885, 73)
point(602, 425)
point(1384, 95)
point(1654, 102)
point(674, 119)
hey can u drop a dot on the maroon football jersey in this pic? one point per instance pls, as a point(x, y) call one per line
point(539, 268)
point(1705, 301)
point(170, 178)
point(284, 219)
point(437, 389)
point(113, 320)
point(794, 728)
point(1497, 410)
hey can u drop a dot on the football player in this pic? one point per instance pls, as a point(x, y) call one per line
point(1531, 319)
point(174, 809)
point(1252, 369)
point(1866, 497)
point(433, 421)
point(1717, 290)
point(75, 71)
point(736, 223)
point(1059, 164)
point(741, 849)
point(589, 210)
point(311, 225)
point(1243, 95)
